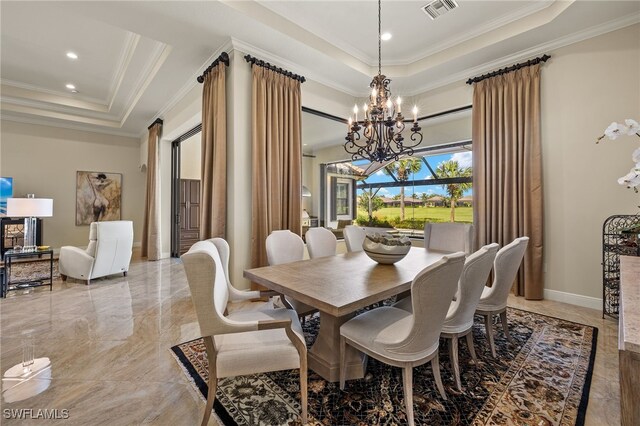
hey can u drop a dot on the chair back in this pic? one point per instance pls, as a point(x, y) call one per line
point(284, 247)
point(505, 269)
point(354, 237)
point(449, 237)
point(321, 242)
point(431, 293)
point(111, 243)
point(208, 286)
point(472, 281)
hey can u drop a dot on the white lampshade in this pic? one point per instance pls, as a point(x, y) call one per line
point(29, 207)
point(305, 191)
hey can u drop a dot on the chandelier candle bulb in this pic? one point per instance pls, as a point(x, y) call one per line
point(366, 111)
point(350, 123)
point(415, 113)
point(399, 102)
point(355, 112)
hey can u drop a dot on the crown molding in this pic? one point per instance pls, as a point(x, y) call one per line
point(64, 97)
point(123, 65)
point(161, 53)
point(606, 27)
point(308, 73)
point(190, 84)
point(66, 125)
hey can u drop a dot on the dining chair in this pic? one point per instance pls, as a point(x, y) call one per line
point(320, 242)
point(354, 237)
point(449, 237)
point(459, 320)
point(286, 247)
point(244, 342)
point(407, 339)
point(493, 300)
point(235, 295)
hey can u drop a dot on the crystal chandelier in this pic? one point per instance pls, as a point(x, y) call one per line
point(383, 122)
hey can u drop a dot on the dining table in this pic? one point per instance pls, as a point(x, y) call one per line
point(338, 286)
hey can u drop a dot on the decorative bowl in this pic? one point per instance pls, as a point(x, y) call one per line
point(386, 249)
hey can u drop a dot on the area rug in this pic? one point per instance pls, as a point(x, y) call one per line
point(543, 378)
point(39, 268)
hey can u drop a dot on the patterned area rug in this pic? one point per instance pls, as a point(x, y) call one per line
point(541, 379)
point(39, 268)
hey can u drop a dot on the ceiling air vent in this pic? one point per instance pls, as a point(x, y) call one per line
point(439, 7)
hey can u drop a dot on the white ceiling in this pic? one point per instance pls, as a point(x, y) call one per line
point(137, 58)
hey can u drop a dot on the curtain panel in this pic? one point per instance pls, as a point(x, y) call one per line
point(507, 169)
point(213, 205)
point(151, 243)
point(276, 158)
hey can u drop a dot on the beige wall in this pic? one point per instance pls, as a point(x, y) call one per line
point(190, 163)
point(44, 160)
point(585, 87)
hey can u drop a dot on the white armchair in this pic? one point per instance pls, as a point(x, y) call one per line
point(244, 342)
point(108, 252)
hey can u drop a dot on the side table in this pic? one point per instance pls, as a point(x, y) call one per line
point(36, 281)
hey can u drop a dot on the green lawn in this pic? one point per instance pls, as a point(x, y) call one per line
point(436, 214)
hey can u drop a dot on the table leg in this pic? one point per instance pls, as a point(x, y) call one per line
point(324, 355)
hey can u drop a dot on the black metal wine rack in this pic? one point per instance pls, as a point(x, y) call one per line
point(619, 238)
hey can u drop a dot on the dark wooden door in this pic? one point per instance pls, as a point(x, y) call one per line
point(189, 213)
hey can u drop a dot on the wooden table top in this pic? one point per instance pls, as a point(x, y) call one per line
point(344, 283)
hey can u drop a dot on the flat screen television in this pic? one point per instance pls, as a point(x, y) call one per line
point(6, 191)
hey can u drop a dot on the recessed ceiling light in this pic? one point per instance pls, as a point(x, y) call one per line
point(385, 36)
point(72, 55)
point(70, 86)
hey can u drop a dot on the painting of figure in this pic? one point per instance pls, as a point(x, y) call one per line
point(98, 197)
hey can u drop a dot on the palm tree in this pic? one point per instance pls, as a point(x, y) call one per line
point(401, 170)
point(451, 169)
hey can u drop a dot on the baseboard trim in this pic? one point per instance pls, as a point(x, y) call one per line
point(573, 299)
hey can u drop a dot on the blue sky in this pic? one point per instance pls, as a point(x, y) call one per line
point(463, 158)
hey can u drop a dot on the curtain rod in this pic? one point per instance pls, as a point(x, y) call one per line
point(267, 65)
point(543, 58)
point(224, 58)
point(157, 121)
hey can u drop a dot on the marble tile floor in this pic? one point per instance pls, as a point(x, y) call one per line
point(110, 360)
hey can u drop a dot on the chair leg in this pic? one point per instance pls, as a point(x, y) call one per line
point(489, 326)
point(343, 361)
point(407, 383)
point(472, 349)
point(124, 274)
point(435, 366)
point(505, 326)
point(213, 380)
point(88, 282)
point(303, 389)
point(453, 356)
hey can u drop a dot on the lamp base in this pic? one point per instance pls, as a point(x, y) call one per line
point(30, 226)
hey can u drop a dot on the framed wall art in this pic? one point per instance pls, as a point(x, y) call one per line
point(98, 197)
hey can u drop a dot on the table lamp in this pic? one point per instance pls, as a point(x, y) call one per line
point(30, 208)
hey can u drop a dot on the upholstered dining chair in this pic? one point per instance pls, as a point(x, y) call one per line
point(494, 299)
point(354, 237)
point(320, 242)
point(404, 339)
point(449, 237)
point(244, 342)
point(109, 252)
point(286, 247)
point(459, 320)
point(235, 295)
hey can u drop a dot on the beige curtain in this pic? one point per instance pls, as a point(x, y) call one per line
point(276, 158)
point(151, 243)
point(507, 169)
point(213, 205)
